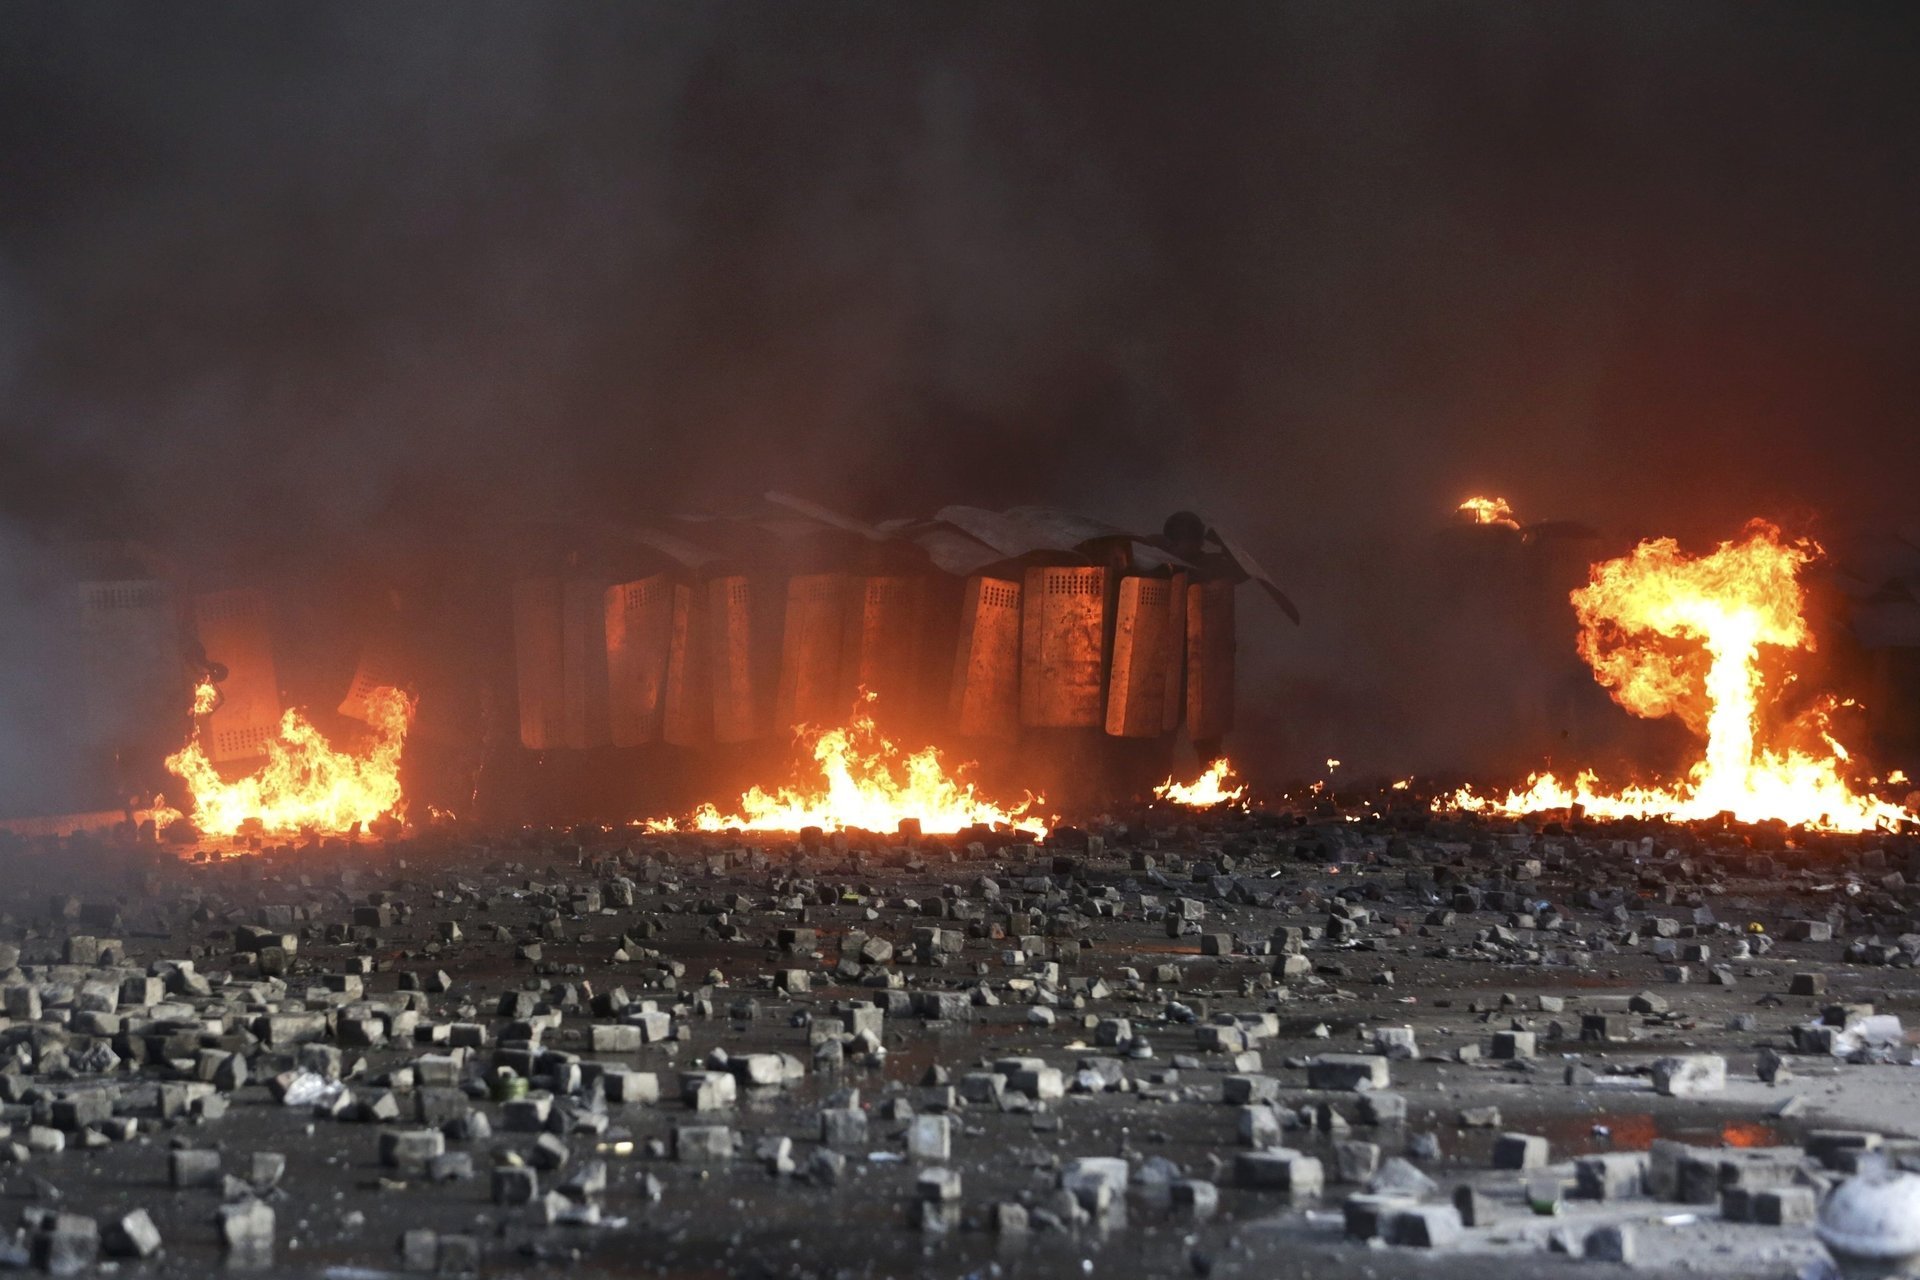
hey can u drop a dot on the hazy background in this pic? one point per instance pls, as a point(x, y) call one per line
point(283, 284)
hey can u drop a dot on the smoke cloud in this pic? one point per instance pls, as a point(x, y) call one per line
point(289, 287)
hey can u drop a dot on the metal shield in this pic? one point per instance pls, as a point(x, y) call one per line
point(583, 642)
point(538, 664)
point(811, 690)
point(1062, 648)
point(1173, 654)
point(130, 652)
point(985, 695)
point(687, 717)
point(236, 631)
point(1137, 676)
point(730, 642)
point(1210, 649)
point(639, 622)
point(881, 650)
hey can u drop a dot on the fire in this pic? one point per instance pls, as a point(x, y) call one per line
point(1673, 635)
point(1489, 511)
point(866, 783)
point(305, 785)
point(1208, 790)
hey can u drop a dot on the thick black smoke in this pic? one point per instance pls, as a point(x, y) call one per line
point(279, 284)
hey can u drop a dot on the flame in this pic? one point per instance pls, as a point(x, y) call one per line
point(305, 784)
point(1208, 790)
point(1674, 635)
point(866, 783)
point(1488, 511)
point(205, 698)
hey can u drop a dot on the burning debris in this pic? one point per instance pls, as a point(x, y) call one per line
point(1710, 640)
point(867, 783)
point(305, 784)
point(1488, 511)
point(1207, 791)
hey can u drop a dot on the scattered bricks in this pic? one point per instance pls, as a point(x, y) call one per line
point(1605, 1028)
point(1258, 1127)
point(703, 1143)
point(943, 1006)
point(629, 1087)
point(1364, 1215)
point(1193, 1199)
point(793, 981)
point(1470, 1205)
point(1427, 1226)
point(1113, 1032)
point(514, 1184)
point(1397, 1044)
point(798, 941)
point(1615, 1242)
point(1216, 944)
point(1662, 1174)
point(1697, 1178)
point(452, 1166)
point(528, 1114)
point(1511, 1045)
point(1835, 1148)
point(1222, 1039)
point(1097, 1183)
point(937, 1186)
point(1809, 931)
point(68, 1245)
point(930, 1138)
point(1032, 1077)
point(410, 1149)
point(193, 1167)
point(1382, 1108)
point(1279, 1170)
point(1245, 1090)
point(1691, 1076)
point(864, 1016)
point(1007, 1218)
point(23, 1002)
point(420, 1250)
point(1356, 1161)
point(1784, 1206)
point(655, 1025)
point(709, 1090)
point(265, 1169)
point(759, 1070)
point(247, 1231)
point(1347, 1072)
point(1613, 1175)
point(616, 1038)
point(843, 1127)
point(550, 1153)
point(1520, 1151)
point(131, 1235)
point(77, 1111)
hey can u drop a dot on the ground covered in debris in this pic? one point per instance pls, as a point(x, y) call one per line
point(1246, 1046)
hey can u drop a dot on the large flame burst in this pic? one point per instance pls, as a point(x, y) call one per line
point(305, 785)
point(1488, 511)
point(867, 783)
point(1673, 635)
point(1208, 790)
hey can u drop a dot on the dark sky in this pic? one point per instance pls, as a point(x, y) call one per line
point(1317, 270)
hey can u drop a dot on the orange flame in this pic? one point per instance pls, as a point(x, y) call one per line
point(866, 783)
point(305, 784)
point(1208, 790)
point(1669, 634)
point(205, 698)
point(1488, 511)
